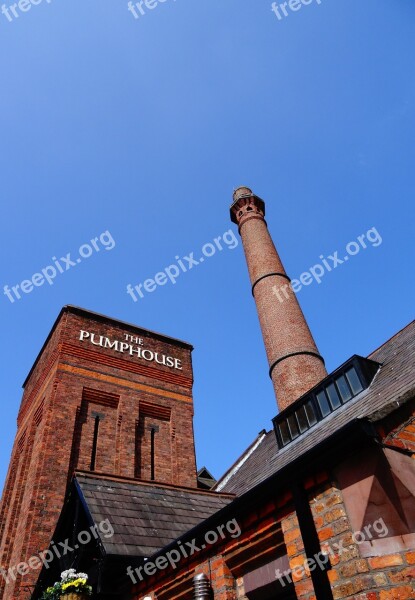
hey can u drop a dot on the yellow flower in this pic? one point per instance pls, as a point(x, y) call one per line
point(76, 583)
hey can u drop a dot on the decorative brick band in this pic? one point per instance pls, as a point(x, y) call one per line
point(102, 398)
point(155, 410)
point(124, 382)
point(299, 352)
point(270, 275)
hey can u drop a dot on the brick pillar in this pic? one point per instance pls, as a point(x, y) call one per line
point(297, 559)
point(221, 579)
point(294, 360)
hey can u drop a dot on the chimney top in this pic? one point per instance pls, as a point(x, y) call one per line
point(240, 192)
point(244, 197)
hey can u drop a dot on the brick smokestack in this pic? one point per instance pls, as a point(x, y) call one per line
point(294, 360)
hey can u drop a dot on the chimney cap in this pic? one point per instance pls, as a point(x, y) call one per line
point(241, 192)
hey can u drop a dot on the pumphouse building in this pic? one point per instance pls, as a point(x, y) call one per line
point(103, 475)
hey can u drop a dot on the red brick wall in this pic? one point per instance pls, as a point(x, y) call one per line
point(30, 457)
point(352, 575)
point(70, 383)
point(270, 528)
point(162, 448)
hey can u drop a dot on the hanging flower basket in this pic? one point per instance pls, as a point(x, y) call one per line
point(73, 586)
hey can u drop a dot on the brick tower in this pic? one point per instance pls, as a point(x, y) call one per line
point(102, 396)
point(294, 361)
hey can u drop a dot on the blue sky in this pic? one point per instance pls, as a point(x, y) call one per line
point(143, 127)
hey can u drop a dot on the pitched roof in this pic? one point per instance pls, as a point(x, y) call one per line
point(145, 517)
point(392, 386)
point(205, 479)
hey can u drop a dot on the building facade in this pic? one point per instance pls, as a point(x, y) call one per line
point(320, 507)
point(102, 397)
point(324, 501)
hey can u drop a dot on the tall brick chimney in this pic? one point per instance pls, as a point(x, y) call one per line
point(294, 360)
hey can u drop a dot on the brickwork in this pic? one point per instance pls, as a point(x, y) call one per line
point(21, 529)
point(353, 576)
point(271, 528)
point(222, 581)
point(74, 383)
point(399, 430)
point(297, 557)
point(226, 561)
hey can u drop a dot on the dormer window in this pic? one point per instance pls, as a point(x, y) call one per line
point(328, 396)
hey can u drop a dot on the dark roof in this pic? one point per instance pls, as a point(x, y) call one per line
point(393, 385)
point(145, 516)
point(205, 479)
point(89, 314)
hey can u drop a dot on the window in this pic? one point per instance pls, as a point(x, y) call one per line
point(323, 404)
point(330, 395)
point(285, 434)
point(302, 419)
point(343, 388)
point(354, 381)
point(311, 413)
point(292, 424)
point(333, 396)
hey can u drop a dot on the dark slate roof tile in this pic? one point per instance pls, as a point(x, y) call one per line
point(145, 518)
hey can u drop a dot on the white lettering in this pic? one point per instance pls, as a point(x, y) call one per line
point(138, 350)
point(109, 344)
point(92, 340)
point(133, 339)
point(118, 346)
point(156, 357)
point(149, 353)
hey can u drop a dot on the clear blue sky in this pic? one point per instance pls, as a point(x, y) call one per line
point(143, 127)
